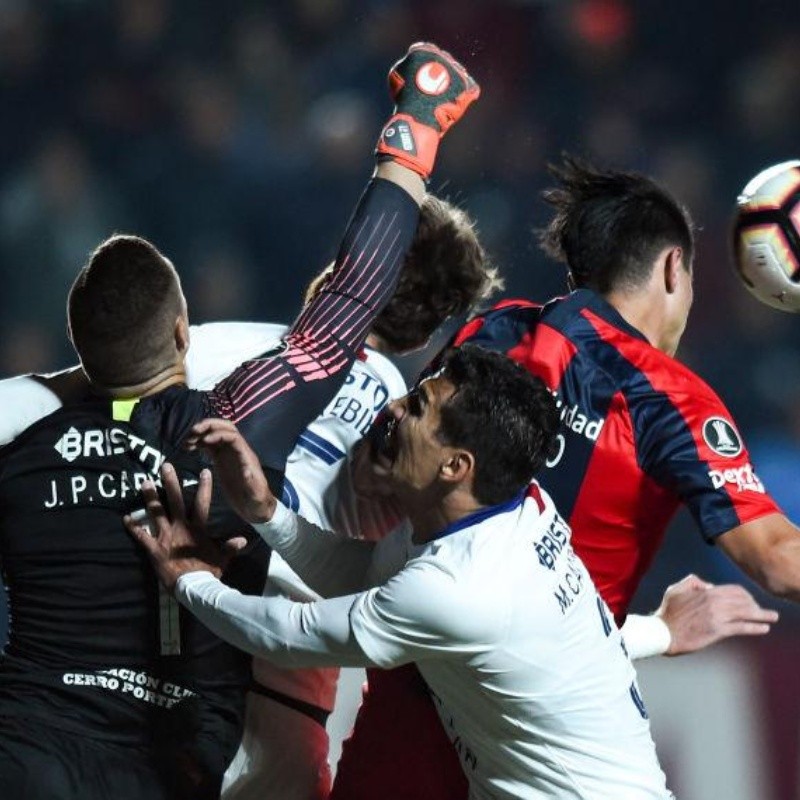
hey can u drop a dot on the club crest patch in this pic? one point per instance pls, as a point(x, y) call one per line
point(722, 437)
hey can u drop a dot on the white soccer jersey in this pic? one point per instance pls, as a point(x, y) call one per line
point(23, 401)
point(523, 660)
point(503, 621)
point(217, 348)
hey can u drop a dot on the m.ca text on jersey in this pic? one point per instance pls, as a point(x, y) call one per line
point(102, 442)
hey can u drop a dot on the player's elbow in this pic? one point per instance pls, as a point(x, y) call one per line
point(768, 550)
point(778, 570)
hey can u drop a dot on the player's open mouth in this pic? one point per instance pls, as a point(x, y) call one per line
point(383, 440)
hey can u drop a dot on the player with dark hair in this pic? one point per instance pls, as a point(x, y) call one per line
point(656, 436)
point(122, 311)
point(539, 695)
point(641, 435)
point(105, 690)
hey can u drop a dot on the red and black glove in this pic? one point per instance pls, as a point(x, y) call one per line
point(431, 91)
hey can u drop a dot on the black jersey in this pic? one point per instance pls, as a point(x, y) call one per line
point(95, 646)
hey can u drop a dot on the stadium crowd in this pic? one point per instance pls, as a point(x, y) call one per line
point(229, 137)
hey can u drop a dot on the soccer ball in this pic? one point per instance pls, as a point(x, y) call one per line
point(766, 236)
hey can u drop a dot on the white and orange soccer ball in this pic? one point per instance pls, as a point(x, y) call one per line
point(766, 236)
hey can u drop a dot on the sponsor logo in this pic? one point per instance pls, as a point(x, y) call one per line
point(104, 442)
point(406, 139)
point(576, 421)
point(403, 131)
point(139, 685)
point(433, 78)
point(721, 437)
point(743, 478)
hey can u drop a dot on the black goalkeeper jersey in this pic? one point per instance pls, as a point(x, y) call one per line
point(95, 646)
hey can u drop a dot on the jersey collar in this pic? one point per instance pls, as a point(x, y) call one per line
point(592, 301)
point(480, 515)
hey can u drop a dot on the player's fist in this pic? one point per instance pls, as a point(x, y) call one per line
point(431, 91)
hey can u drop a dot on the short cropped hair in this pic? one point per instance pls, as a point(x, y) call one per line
point(502, 414)
point(122, 310)
point(609, 227)
point(445, 273)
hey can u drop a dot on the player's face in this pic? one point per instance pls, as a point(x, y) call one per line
point(405, 450)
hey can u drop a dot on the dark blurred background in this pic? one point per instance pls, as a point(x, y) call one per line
point(237, 135)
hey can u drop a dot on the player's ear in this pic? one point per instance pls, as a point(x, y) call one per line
point(671, 262)
point(458, 466)
point(182, 334)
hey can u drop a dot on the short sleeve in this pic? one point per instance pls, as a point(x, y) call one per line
point(703, 458)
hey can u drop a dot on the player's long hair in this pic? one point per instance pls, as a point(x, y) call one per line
point(505, 416)
point(608, 227)
point(122, 311)
point(446, 273)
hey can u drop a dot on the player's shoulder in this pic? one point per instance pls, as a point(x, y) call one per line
point(665, 374)
point(501, 326)
point(169, 414)
point(466, 607)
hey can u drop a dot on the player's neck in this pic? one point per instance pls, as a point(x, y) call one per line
point(643, 312)
point(171, 376)
point(429, 520)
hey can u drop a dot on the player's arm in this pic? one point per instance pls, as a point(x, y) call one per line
point(693, 615)
point(331, 564)
point(387, 626)
point(701, 456)
point(768, 550)
point(290, 634)
point(289, 390)
point(189, 563)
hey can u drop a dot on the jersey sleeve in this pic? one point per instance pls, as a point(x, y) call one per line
point(421, 614)
point(24, 401)
point(696, 449)
point(289, 634)
point(330, 564)
point(274, 397)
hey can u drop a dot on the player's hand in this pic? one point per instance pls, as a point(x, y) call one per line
point(698, 614)
point(236, 467)
point(431, 91)
point(174, 540)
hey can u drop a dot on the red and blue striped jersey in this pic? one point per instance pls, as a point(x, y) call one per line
point(641, 435)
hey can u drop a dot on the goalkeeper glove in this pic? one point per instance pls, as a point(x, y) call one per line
point(431, 91)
